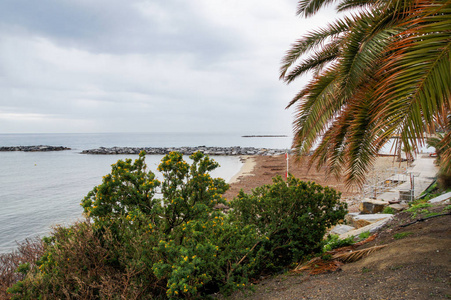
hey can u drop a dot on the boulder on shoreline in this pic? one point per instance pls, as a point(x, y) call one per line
point(223, 151)
point(39, 148)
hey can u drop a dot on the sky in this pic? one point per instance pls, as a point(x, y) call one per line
point(147, 66)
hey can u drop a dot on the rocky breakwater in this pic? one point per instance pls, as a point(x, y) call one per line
point(39, 148)
point(229, 151)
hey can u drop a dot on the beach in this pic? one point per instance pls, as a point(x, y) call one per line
point(259, 170)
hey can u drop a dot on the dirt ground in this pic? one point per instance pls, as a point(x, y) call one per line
point(416, 266)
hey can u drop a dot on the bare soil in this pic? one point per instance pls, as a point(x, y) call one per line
point(415, 265)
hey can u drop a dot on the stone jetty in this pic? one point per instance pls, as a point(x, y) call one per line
point(39, 148)
point(229, 151)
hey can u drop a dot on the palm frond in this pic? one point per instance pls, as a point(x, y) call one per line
point(318, 107)
point(308, 8)
point(314, 39)
point(418, 86)
point(357, 255)
point(354, 4)
point(317, 61)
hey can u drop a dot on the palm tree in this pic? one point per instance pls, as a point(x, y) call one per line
point(381, 70)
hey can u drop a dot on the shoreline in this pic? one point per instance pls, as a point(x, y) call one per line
point(246, 169)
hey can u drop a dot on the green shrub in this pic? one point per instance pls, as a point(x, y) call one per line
point(364, 235)
point(419, 209)
point(333, 241)
point(291, 217)
point(388, 210)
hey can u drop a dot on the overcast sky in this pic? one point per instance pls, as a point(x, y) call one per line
point(147, 66)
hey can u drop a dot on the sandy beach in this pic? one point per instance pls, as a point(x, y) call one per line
point(259, 170)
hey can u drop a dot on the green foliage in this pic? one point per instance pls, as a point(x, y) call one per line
point(364, 235)
point(333, 241)
point(418, 209)
point(136, 246)
point(442, 145)
point(23, 268)
point(388, 210)
point(431, 214)
point(128, 187)
point(291, 217)
point(401, 235)
point(189, 192)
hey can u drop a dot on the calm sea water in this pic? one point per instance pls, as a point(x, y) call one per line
point(42, 189)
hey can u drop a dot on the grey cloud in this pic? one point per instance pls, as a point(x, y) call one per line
point(171, 65)
point(119, 27)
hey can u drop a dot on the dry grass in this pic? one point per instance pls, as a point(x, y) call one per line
point(28, 251)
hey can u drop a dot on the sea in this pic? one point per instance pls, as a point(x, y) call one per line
point(39, 190)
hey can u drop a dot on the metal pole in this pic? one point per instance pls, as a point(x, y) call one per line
point(286, 157)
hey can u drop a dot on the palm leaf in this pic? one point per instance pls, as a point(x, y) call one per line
point(308, 8)
point(312, 40)
point(356, 255)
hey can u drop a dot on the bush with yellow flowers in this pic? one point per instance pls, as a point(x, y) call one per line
point(134, 245)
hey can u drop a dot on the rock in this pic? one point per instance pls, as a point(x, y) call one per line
point(341, 229)
point(362, 220)
point(372, 228)
point(40, 148)
point(399, 206)
point(361, 223)
point(370, 206)
point(441, 198)
point(188, 150)
point(349, 218)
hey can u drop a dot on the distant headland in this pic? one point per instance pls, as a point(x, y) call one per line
point(264, 135)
